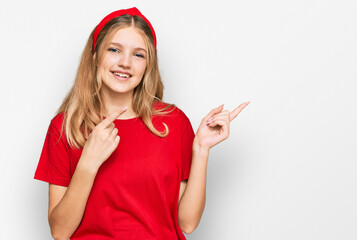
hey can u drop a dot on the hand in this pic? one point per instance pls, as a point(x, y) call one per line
point(214, 128)
point(102, 141)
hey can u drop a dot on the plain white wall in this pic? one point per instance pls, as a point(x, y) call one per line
point(288, 169)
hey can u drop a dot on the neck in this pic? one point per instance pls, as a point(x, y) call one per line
point(118, 101)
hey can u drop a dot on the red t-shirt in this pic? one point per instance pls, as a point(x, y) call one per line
point(135, 192)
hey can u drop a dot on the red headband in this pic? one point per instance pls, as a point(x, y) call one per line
point(131, 11)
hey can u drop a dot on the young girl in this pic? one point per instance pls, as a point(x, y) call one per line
point(121, 163)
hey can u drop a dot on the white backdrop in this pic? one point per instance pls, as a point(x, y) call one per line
point(288, 169)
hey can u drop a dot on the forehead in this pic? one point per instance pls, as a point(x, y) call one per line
point(130, 37)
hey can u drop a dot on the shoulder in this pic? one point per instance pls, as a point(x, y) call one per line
point(57, 121)
point(177, 119)
point(174, 111)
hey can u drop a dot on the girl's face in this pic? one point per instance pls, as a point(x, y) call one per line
point(124, 62)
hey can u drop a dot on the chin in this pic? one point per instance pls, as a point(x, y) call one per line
point(121, 91)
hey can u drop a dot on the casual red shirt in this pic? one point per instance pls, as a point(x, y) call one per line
point(135, 192)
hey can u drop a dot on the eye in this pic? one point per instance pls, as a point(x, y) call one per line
point(139, 55)
point(113, 50)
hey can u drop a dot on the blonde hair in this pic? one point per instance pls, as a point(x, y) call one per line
point(83, 106)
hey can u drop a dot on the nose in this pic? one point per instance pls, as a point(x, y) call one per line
point(124, 60)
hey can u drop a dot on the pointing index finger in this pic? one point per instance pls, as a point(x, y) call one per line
point(237, 110)
point(107, 121)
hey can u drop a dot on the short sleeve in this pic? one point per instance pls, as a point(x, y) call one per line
point(53, 166)
point(187, 136)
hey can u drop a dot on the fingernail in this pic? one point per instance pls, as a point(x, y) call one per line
point(209, 120)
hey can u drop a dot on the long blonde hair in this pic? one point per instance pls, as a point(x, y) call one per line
point(83, 107)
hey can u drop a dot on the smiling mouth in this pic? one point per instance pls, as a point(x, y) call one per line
point(122, 75)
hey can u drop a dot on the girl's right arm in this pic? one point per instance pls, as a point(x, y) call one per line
point(67, 204)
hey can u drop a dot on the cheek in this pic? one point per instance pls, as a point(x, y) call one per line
point(100, 72)
point(105, 66)
point(108, 61)
point(140, 67)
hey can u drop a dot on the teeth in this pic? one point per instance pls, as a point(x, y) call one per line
point(121, 74)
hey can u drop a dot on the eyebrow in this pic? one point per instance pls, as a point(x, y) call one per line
point(118, 44)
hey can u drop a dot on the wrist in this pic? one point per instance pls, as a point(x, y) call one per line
point(83, 164)
point(199, 148)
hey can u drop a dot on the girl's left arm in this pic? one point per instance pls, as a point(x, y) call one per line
point(214, 128)
point(193, 200)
